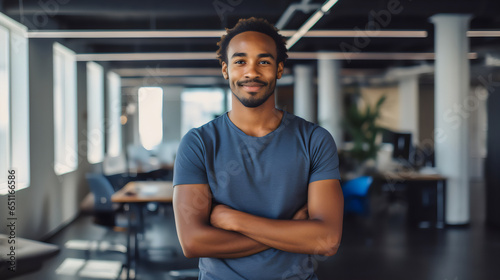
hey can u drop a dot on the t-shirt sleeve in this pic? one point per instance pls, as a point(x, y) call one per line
point(324, 156)
point(189, 165)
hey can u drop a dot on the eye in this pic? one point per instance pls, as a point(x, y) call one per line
point(239, 62)
point(265, 62)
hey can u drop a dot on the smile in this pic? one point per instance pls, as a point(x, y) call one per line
point(252, 86)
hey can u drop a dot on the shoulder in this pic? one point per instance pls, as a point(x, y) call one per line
point(306, 128)
point(204, 132)
point(320, 132)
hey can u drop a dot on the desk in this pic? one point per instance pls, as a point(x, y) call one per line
point(145, 191)
point(137, 194)
point(426, 196)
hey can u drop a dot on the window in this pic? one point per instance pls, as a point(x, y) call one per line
point(114, 114)
point(14, 114)
point(199, 106)
point(95, 112)
point(4, 107)
point(65, 109)
point(150, 116)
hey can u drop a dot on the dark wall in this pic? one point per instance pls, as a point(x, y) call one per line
point(493, 160)
point(426, 113)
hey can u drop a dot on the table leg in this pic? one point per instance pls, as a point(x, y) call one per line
point(138, 229)
point(132, 231)
point(441, 193)
point(129, 232)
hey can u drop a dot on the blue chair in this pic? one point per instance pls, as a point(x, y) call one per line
point(104, 209)
point(356, 195)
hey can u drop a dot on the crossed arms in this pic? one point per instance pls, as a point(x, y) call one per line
point(222, 232)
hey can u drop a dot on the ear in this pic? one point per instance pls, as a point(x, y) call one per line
point(224, 70)
point(281, 66)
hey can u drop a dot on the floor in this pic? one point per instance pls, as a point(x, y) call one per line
point(381, 246)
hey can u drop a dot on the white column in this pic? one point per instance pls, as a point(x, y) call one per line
point(408, 104)
point(451, 131)
point(330, 98)
point(303, 93)
point(172, 114)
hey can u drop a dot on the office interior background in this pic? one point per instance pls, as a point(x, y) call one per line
point(112, 86)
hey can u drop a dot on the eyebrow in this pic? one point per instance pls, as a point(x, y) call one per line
point(241, 54)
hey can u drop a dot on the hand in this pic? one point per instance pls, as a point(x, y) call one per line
point(302, 214)
point(221, 216)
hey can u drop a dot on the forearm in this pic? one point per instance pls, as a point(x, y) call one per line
point(198, 238)
point(298, 236)
point(208, 241)
point(319, 234)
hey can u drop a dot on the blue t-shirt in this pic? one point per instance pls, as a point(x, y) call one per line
point(265, 176)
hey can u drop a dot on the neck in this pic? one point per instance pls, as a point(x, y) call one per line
point(258, 121)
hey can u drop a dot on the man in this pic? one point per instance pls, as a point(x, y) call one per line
point(257, 190)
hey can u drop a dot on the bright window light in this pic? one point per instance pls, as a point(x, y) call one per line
point(114, 115)
point(150, 116)
point(65, 124)
point(199, 106)
point(20, 149)
point(4, 108)
point(14, 105)
point(95, 113)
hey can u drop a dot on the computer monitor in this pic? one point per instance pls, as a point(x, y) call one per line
point(402, 146)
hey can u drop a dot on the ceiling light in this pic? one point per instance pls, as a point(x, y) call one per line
point(310, 23)
point(145, 56)
point(483, 33)
point(291, 55)
point(131, 34)
point(365, 56)
point(167, 72)
point(328, 5)
point(379, 33)
point(88, 34)
point(171, 72)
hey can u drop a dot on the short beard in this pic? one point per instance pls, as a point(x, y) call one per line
point(253, 103)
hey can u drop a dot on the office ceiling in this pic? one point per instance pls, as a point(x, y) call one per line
point(351, 15)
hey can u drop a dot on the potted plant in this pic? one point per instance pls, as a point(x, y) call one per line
point(361, 126)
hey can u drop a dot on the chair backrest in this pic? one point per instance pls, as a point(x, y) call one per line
point(357, 187)
point(118, 181)
point(102, 190)
point(356, 195)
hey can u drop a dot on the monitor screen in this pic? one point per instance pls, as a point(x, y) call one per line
point(402, 146)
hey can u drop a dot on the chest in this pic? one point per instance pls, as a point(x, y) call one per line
point(266, 177)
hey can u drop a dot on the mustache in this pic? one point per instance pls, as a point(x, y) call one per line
point(251, 81)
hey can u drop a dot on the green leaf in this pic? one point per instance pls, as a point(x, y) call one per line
point(361, 126)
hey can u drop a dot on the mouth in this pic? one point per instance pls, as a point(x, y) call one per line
point(252, 86)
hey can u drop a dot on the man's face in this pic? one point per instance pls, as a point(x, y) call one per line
point(251, 67)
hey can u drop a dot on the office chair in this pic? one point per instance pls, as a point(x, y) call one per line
point(356, 195)
point(105, 211)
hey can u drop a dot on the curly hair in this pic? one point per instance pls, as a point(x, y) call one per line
point(253, 24)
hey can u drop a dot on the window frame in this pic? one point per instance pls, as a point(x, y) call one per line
point(14, 96)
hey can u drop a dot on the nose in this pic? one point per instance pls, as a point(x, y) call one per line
point(252, 71)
